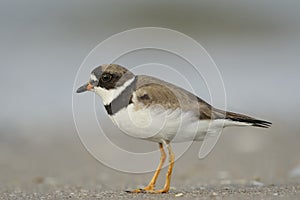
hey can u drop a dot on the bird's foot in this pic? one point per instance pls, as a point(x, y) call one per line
point(136, 191)
point(148, 189)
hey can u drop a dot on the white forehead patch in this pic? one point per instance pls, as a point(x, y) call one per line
point(93, 77)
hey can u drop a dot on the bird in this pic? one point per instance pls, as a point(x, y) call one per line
point(152, 109)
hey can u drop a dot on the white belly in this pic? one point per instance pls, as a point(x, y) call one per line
point(157, 124)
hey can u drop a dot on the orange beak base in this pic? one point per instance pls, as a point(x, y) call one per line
point(85, 87)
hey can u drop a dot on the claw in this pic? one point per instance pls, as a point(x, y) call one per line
point(135, 191)
point(147, 191)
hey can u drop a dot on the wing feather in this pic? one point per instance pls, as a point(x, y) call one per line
point(153, 91)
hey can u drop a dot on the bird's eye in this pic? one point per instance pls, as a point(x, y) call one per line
point(106, 77)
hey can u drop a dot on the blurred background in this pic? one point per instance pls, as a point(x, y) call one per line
point(255, 45)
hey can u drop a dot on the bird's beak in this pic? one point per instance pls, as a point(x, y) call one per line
point(85, 87)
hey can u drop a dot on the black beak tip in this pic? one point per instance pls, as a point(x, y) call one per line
point(82, 89)
point(78, 90)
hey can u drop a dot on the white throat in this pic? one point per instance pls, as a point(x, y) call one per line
point(109, 95)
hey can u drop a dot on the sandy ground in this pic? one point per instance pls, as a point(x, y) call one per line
point(229, 192)
point(59, 167)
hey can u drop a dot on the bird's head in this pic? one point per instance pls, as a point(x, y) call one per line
point(108, 81)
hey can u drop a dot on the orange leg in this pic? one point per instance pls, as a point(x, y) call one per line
point(166, 188)
point(169, 173)
point(151, 185)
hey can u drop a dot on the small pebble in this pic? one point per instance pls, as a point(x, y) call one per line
point(257, 183)
point(214, 194)
point(179, 195)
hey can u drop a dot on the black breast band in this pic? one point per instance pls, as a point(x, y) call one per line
point(122, 101)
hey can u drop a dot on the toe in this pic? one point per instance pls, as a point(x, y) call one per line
point(135, 191)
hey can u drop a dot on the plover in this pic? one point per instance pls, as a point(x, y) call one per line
point(152, 109)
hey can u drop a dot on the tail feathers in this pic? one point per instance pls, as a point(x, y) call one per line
point(249, 120)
